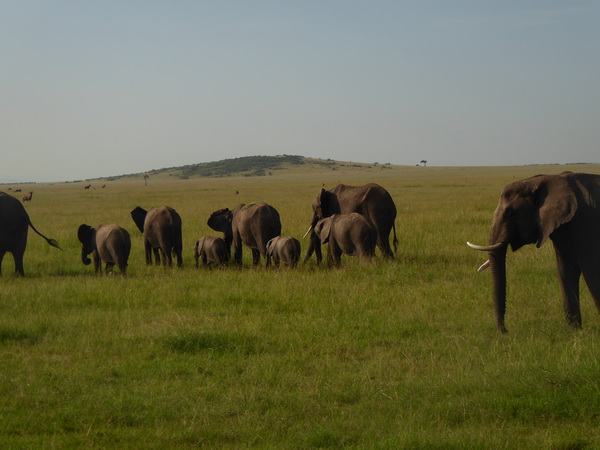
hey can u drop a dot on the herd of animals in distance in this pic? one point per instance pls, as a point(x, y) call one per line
point(354, 220)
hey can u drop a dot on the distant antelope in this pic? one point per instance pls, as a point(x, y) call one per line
point(88, 186)
point(27, 198)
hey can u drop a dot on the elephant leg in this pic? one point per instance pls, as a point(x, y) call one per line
point(592, 279)
point(148, 250)
point(18, 257)
point(167, 257)
point(237, 251)
point(255, 256)
point(177, 250)
point(569, 274)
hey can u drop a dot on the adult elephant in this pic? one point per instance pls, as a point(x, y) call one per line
point(14, 224)
point(564, 208)
point(254, 225)
point(370, 200)
point(110, 244)
point(351, 234)
point(161, 227)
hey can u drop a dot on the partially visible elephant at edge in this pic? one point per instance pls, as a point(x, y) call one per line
point(210, 249)
point(370, 200)
point(254, 225)
point(350, 234)
point(564, 208)
point(284, 249)
point(110, 244)
point(161, 227)
point(14, 224)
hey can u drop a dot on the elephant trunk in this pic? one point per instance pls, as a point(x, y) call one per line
point(84, 259)
point(498, 267)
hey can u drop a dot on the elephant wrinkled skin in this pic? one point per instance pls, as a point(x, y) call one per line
point(254, 225)
point(564, 208)
point(110, 244)
point(14, 224)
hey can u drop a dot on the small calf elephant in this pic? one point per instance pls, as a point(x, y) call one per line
point(351, 234)
point(283, 249)
point(110, 244)
point(211, 249)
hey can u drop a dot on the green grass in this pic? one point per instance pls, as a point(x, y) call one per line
point(400, 354)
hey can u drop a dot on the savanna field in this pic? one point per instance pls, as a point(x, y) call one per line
point(396, 354)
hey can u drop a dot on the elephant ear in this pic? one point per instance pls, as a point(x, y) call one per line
point(83, 233)
point(217, 220)
point(139, 216)
point(557, 204)
point(325, 230)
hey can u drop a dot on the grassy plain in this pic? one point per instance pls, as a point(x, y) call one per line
point(400, 354)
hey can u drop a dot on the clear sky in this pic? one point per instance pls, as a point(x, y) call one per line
point(99, 88)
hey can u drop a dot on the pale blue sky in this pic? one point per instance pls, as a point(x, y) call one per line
point(100, 88)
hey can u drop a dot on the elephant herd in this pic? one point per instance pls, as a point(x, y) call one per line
point(354, 220)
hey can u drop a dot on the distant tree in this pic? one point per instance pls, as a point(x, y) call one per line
point(424, 162)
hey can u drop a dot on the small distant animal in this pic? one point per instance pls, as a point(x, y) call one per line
point(103, 186)
point(88, 186)
point(27, 197)
point(17, 190)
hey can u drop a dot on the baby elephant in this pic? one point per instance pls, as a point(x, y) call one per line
point(211, 250)
point(107, 243)
point(285, 249)
point(351, 234)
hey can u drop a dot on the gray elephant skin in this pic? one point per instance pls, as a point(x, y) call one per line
point(14, 225)
point(350, 234)
point(110, 244)
point(283, 249)
point(564, 208)
point(161, 227)
point(254, 225)
point(209, 250)
point(370, 200)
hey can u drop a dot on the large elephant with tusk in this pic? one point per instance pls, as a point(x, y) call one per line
point(564, 208)
point(371, 201)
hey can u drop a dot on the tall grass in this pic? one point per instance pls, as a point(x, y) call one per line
point(395, 354)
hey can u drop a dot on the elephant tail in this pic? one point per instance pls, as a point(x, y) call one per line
point(52, 242)
point(395, 241)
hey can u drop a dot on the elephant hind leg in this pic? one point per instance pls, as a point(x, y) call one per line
point(255, 256)
point(18, 256)
point(592, 279)
point(568, 276)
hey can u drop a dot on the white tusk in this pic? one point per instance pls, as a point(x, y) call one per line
point(308, 231)
point(484, 266)
point(482, 248)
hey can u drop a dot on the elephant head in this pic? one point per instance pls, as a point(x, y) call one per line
point(221, 221)
point(87, 236)
point(325, 204)
point(528, 212)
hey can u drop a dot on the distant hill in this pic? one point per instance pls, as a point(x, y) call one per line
point(249, 166)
